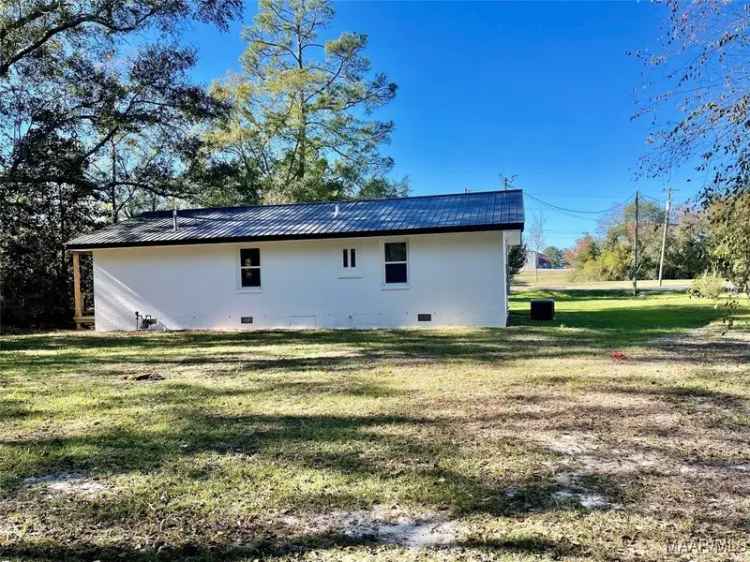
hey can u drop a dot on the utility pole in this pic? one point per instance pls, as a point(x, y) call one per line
point(508, 181)
point(664, 234)
point(635, 248)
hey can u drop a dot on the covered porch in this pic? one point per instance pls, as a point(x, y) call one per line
point(83, 317)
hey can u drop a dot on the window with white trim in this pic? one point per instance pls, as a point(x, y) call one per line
point(395, 263)
point(250, 267)
point(349, 259)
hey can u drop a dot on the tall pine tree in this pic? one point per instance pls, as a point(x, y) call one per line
point(301, 128)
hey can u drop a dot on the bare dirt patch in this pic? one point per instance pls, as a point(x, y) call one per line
point(586, 499)
point(571, 444)
point(586, 459)
point(381, 525)
point(66, 483)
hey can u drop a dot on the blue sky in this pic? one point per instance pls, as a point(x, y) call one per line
point(543, 91)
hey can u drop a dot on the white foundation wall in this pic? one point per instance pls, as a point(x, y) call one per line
point(458, 278)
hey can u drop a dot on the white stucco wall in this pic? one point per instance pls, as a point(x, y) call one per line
point(458, 278)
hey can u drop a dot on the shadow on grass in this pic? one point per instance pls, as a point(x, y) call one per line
point(523, 546)
point(87, 552)
point(333, 445)
point(12, 409)
point(269, 550)
point(412, 456)
point(409, 453)
point(257, 351)
point(624, 321)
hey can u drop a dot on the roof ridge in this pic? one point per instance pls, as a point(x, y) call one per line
point(167, 212)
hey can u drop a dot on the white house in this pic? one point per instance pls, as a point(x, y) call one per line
point(536, 260)
point(415, 261)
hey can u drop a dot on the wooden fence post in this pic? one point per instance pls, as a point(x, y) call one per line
point(78, 304)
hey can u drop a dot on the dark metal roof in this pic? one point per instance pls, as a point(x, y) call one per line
point(490, 210)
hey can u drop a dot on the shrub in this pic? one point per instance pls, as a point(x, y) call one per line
point(615, 263)
point(590, 270)
point(707, 286)
point(730, 230)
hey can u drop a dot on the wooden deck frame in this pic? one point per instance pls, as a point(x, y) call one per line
point(78, 317)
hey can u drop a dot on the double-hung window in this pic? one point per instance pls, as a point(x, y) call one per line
point(395, 263)
point(250, 267)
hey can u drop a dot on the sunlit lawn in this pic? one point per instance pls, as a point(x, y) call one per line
point(531, 442)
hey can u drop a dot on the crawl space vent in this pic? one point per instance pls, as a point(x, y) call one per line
point(246, 320)
point(424, 317)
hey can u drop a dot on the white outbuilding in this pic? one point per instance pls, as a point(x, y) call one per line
point(415, 261)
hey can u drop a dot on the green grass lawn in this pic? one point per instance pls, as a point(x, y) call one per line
point(531, 442)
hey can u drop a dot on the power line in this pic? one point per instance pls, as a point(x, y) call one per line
point(570, 232)
point(585, 215)
point(654, 199)
point(535, 198)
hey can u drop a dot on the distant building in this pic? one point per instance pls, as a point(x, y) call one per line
point(536, 260)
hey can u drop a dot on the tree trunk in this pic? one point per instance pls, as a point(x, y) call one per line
point(302, 134)
point(113, 189)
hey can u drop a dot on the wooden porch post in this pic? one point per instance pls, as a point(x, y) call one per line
point(78, 304)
